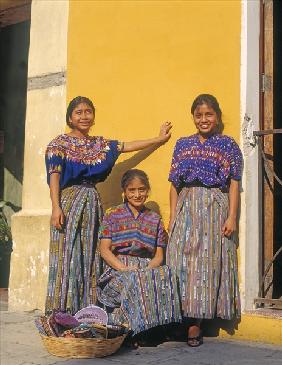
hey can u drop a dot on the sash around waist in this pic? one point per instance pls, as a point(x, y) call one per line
point(82, 182)
point(199, 184)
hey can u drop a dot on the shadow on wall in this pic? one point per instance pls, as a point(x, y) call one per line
point(110, 190)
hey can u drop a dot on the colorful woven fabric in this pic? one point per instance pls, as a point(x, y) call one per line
point(213, 163)
point(133, 236)
point(43, 326)
point(72, 268)
point(47, 326)
point(205, 262)
point(141, 299)
point(89, 158)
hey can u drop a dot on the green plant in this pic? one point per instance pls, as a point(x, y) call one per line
point(5, 230)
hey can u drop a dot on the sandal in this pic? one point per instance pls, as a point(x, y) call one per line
point(195, 341)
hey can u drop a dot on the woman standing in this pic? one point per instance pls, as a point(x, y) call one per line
point(75, 163)
point(204, 195)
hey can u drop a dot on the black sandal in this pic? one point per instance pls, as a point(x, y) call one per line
point(195, 341)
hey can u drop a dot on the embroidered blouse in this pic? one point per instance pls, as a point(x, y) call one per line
point(212, 163)
point(77, 159)
point(138, 236)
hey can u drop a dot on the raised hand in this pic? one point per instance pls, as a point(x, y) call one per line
point(165, 132)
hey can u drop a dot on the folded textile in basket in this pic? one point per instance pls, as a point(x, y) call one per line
point(47, 326)
point(65, 319)
point(84, 331)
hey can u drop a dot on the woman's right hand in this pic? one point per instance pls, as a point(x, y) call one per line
point(57, 218)
point(165, 132)
point(170, 224)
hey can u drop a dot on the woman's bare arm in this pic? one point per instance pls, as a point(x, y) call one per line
point(57, 218)
point(173, 196)
point(230, 224)
point(163, 137)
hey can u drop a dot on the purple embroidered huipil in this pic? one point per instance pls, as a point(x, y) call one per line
point(212, 163)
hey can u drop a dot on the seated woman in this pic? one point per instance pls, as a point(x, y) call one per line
point(134, 288)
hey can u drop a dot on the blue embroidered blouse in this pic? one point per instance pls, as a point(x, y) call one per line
point(212, 163)
point(77, 159)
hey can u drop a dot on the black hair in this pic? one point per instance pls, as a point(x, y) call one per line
point(211, 101)
point(74, 103)
point(129, 175)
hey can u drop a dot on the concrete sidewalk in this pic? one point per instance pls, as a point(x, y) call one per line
point(21, 345)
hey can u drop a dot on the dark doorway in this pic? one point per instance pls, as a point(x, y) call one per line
point(14, 47)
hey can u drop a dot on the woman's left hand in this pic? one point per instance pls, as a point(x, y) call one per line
point(152, 265)
point(165, 133)
point(229, 227)
point(157, 260)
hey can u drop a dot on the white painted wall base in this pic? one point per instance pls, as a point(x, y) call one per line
point(249, 220)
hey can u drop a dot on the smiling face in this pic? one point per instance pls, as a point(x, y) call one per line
point(82, 118)
point(136, 193)
point(205, 119)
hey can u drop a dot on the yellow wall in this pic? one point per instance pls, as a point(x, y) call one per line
point(254, 326)
point(143, 62)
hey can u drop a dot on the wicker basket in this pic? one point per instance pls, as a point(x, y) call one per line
point(82, 347)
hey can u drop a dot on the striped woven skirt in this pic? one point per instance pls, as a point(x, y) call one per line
point(204, 260)
point(72, 269)
point(140, 299)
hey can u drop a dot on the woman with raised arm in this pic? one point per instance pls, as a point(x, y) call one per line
point(204, 195)
point(75, 163)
